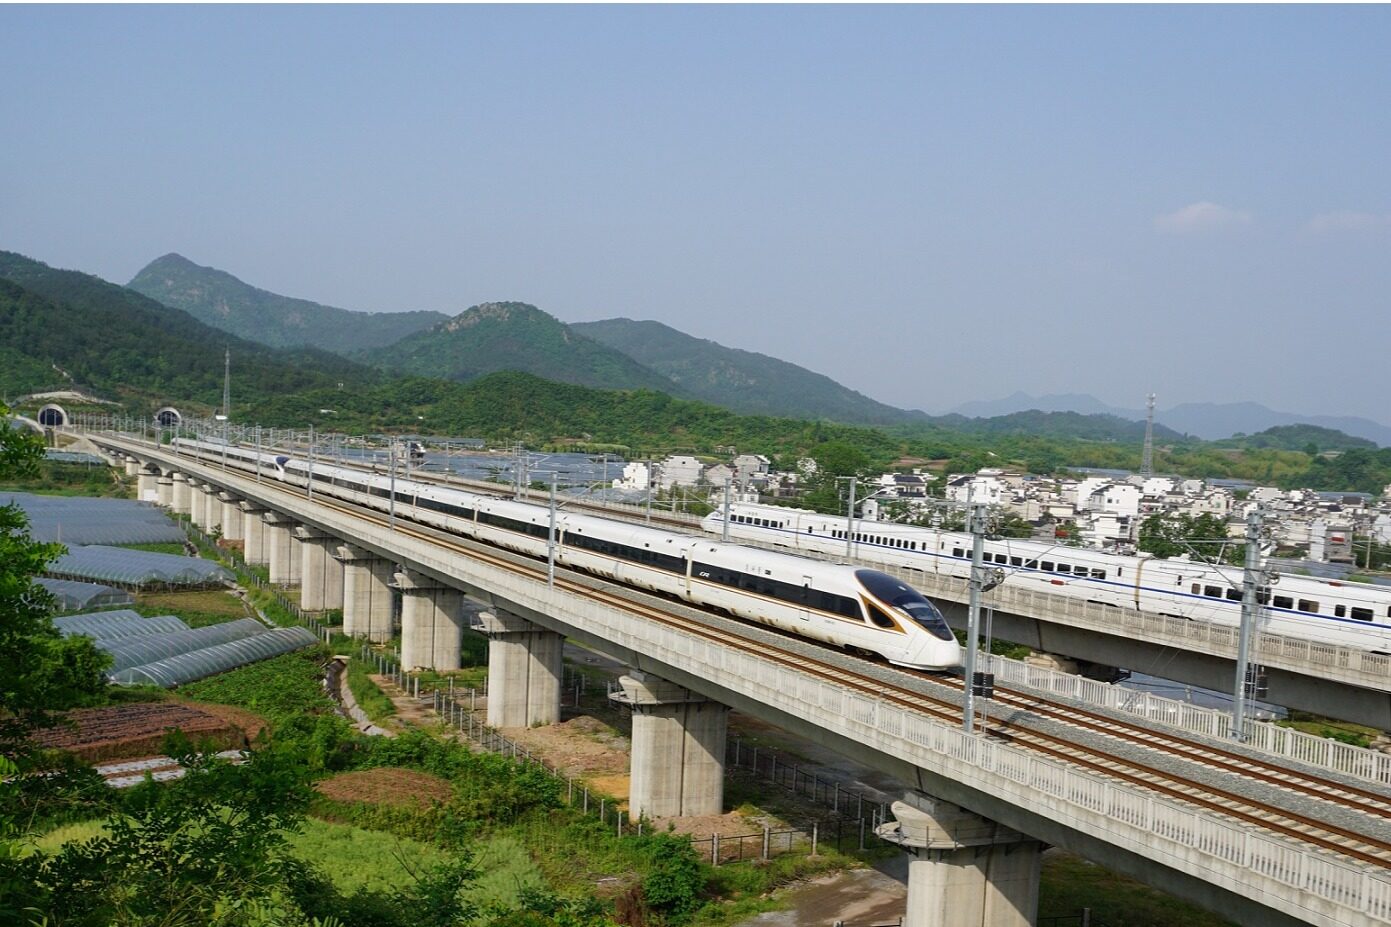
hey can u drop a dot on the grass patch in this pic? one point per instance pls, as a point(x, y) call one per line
point(505, 870)
point(281, 689)
point(59, 837)
point(356, 859)
point(197, 609)
point(159, 547)
point(1070, 884)
point(369, 695)
point(56, 478)
point(1343, 731)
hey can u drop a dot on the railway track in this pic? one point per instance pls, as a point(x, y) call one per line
point(1314, 831)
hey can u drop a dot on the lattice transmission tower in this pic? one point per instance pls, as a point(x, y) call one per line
point(1147, 457)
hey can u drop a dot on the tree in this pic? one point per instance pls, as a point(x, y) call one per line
point(44, 672)
point(1203, 537)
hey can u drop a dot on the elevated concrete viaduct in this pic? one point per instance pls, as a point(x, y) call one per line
point(975, 808)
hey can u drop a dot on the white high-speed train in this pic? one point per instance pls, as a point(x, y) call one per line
point(858, 609)
point(1329, 611)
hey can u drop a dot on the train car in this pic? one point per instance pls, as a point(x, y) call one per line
point(860, 610)
point(1326, 611)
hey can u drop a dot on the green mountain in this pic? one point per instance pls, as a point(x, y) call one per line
point(1094, 427)
point(514, 336)
point(219, 299)
point(740, 380)
point(61, 329)
point(1297, 438)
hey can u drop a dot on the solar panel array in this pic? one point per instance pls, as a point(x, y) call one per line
point(80, 520)
point(73, 595)
point(136, 567)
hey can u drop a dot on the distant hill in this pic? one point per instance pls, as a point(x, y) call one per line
point(1207, 420)
point(219, 299)
point(62, 329)
point(740, 380)
point(515, 336)
point(1297, 438)
point(1093, 427)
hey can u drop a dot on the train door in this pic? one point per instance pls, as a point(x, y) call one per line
point(804, 612)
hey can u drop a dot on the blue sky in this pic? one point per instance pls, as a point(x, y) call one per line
point(929, 204)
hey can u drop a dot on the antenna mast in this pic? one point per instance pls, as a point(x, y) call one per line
point(1147, 457)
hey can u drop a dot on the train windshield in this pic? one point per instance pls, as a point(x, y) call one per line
point(905, 598)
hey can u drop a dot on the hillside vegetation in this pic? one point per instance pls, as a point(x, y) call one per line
point(62, 329)
point(744, 381)
point(215, 297)
point(491, 337)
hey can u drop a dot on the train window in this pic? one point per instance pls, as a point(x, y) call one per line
point(1340, 611)
point(1048, 566)
point(879, 618)
point(957, 552)
point(808, 529)
point(1234, 594)
point(1197, 589)
point(1213, 592)
point(1098, 574)
point(1031, 564)
point(1362, 614)
point(1064, 568)
point(1284, 601)
point(1016, 561)
point(1308, 605)
point(1079, 571)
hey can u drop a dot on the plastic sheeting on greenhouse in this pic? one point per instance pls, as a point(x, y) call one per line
point(72, 595)
point(186, 667)
point(130, 652)
point(80, 520)
point(136, 567)
point(81, 457)
point(115, 625)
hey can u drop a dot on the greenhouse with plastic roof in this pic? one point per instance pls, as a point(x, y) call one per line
point(71, 595)
point(136, 568)
point(135, 651)
point(116, 625)
point(82, 520)
point(208, 661)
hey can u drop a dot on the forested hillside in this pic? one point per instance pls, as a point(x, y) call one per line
point(219, 299)
point(63, 329)
point(491, 337)
point(740, 380)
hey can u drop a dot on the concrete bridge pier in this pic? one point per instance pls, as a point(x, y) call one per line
point(366, 594)
point(254, 546)
point(181, 498)
point(197, 513)
point(132, 466)
point(431, 622)
point(233, 525)
point(678, 748)
point(212, 508)
point(524, 671)
point(147, 486)
point(966, 870)
point(164, 488)
point(284, 565)
point(321, 576)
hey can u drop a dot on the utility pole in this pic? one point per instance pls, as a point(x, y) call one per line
point(1250, 613)
point(724, 530)
point(974, 686)
point(550, 539)
point(648, 517)
point(258, 453)
point(309, 485)
point(850, 519)
point(391, 503)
